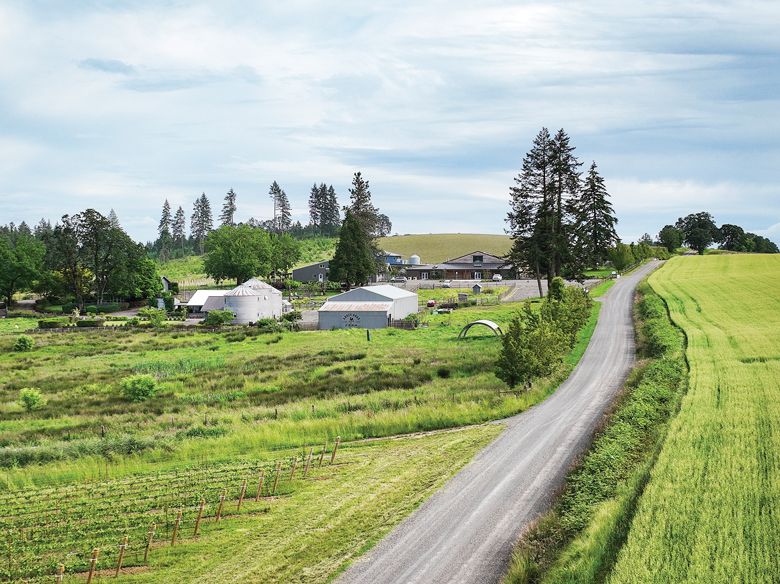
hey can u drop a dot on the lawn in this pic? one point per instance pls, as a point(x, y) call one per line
point(228, 402)
point(708, 513)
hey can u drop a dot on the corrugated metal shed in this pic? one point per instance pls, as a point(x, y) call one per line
point(356, 307)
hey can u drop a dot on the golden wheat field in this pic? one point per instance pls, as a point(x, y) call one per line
point(711, 511)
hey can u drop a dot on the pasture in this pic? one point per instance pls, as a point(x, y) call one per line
point(228, 404)
point(438, 247)
point(709, 511)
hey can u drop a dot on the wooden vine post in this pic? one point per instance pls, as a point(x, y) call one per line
point(122, 548)
point(176, 528)
point(241, 497)
point(322, 454)
point(60, 574)
point(149, 540)
point(335, 448)
point(308, 462)
point(200, 516)
point(221, 503)
point(294, 466)
point(276, 477)
point(92, 564)
point(260, 485)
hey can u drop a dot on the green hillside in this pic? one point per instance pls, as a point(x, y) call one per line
point(438, 247)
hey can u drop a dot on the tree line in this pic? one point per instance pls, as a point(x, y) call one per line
point(325, 217)
point(560, 222)
point(699, 231)
point(83, 256)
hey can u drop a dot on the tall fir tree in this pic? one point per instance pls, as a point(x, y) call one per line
point(315, 206)
point(178, 228)
point(201, 221)
point(112, 217)
point(531, 217)
point(354, 262)
point(361, 205)
point(566, 184)
point(228, 214)
point(164, 232)
point(282, 220)
point(331, 213)
point(595, 219)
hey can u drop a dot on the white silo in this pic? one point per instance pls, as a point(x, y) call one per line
point(253, 301)
point(414, 260)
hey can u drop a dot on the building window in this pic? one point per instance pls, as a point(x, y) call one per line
point(477, 275)
point(424, 275)
point(477, 260)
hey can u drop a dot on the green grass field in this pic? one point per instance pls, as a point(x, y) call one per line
point(709, 512)
point(228, 403)
point(437, 247)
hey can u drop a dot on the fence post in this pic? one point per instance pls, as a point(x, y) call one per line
point(308, 462)
point(122, 548)
point(92, 564)
point(149, 540)
point(200, 516)
point(260, 485)
point(176, 528)
point(294, 465)
point(241, 497)
point(335, 448)
point(221, 503)
point(322, 454)
point(60, 574)
point(276, 477)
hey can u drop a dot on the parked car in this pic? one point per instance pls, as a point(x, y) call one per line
point(446, 284)
point(497, 277)
point(398, 279)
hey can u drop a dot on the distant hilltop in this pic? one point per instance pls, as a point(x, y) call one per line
point(438, 247)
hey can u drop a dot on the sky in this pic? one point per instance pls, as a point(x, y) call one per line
point(124, 104)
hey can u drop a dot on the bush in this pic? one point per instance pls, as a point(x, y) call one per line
point(91, 310)
point(155, 316)
point(23, 343)
point(292, 316)
point(89, 322)
point(50, 323)
point(69, 307)
point(138, 388)
point(268, 325)
point(219, 318)
point(31, 399)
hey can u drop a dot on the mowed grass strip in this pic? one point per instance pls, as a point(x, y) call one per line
point(710, 511)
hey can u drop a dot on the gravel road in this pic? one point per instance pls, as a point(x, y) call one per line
point(465, 532)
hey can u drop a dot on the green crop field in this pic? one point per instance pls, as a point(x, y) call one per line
point(228, 405)
point(709, 512)
point(437, 247)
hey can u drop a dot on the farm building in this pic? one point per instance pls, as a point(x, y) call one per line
point(253, 300)
point(368, 307)
point(317, 272)
point(477, 265)
point(205, 300)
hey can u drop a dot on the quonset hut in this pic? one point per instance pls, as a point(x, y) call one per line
point(254, 300)
point(369, 307)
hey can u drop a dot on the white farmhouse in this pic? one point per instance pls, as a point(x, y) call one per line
point(369, 307)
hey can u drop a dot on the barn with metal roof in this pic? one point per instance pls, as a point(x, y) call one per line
point(368, 307)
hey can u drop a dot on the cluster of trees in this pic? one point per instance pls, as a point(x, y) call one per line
point(699, 231)
point(355, 261)
point(559, 223)
point(324, 219)
point(83, 256)
point(536, 342)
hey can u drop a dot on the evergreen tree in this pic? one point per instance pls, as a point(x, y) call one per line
point(354, 262)
point(201, 222)
point(164, 231)
point(566, 185)
point(361, 205)
point(113, 218)
point(330, 218)
point(595, 219)
point(178, 228)
point(227, 217)
point(282, 220)
point(531, 216)
point(316, 205)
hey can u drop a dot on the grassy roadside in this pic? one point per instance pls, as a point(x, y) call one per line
point(578, 540)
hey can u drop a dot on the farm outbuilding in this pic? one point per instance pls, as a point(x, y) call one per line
point(205, 300)
point(369, 307)
point(254, 300)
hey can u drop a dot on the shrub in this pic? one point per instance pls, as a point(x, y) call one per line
point(292, 316)
point(91, 310)
point(138, 388)
point(23, 343)
point(443, 372)
point(268, 325)
point(89, 322)
point(219, 318)
point(155, 316)
point(50, 323)
point(31, 399)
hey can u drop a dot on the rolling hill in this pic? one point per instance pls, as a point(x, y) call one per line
point(438, 247)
